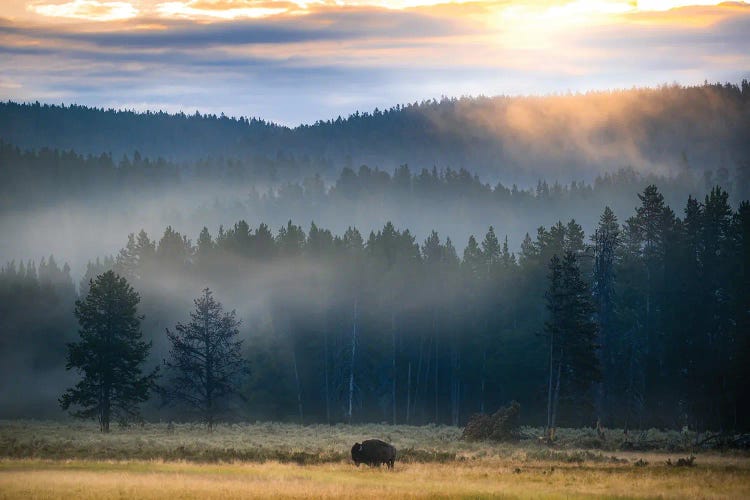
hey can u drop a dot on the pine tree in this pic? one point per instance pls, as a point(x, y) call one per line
point(290, 240)
point(174, 249)
point(573, 363)
point(491, 248)
point(134, 260)
point(655, 231)
point(717, 309)
point(110, 354)
point(205, 360)
point(205, 250)
point(606, 241)
point(741, 332)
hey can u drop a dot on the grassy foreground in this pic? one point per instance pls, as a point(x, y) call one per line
point(72, 460)
point(484, 478)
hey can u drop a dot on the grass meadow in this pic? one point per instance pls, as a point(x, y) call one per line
point(73, 460)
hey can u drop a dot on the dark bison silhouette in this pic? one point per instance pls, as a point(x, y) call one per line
point(374, 452)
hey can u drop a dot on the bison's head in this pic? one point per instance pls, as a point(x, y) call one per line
point(357, 453)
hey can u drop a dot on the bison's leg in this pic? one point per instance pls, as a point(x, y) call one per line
point(390, 463)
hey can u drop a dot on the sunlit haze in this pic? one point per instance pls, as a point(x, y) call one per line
point(299, 61)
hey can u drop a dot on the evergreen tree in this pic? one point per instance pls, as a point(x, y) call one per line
point(205, 250)
point(174, 249)
point(205, 361)
point(741, 331)
point(109, 355)
point(717, 304)
point(571, 335)
point(491, 248)
point(290, 240)
point(134, 261)
point(654, 232)
point(606, 241)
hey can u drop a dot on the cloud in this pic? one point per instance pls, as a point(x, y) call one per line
point(223, 9)
point(323, 24)
point(334, 60)
point(91, 10)
point(721, 30)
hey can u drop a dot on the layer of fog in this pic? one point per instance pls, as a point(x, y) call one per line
point(79, 231)
point(514, 139)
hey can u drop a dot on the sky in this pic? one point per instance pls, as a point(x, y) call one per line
point(298, 61)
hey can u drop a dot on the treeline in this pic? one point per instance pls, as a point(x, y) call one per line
point(36, 179)
point(35, 315)
point(518, 138)
point(385, 328)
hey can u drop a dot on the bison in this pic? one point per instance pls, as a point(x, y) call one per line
point(374, 452)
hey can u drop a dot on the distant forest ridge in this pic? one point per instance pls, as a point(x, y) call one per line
point(33, 179)
point(520, 139)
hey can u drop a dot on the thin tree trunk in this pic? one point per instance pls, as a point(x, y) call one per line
point(408, 395)
point(393, 365)
point(549, 385)
point(601, 356)
point(299, 388)
point(483, 374)
point(209, 374)
point(427, 372)
point(105, 412)
point(325, 369)
point(351, 371)
point(437, 371)
point(419, 373)
point(556, 401)
point(454, 386)
point(482, 380)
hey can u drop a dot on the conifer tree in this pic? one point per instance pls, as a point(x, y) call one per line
point(205, 359)
point(571, 336)
point(109, 355)
point(606, 241)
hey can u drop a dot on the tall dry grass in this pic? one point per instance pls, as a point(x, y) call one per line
point(74, 460)
point(496, 478)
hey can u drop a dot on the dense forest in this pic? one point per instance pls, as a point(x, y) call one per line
point(45, 196)
point(383, 327)
point(34, 179)
point(465, 253)
point(518, 139)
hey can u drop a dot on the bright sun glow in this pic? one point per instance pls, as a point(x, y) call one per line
point(91, 10)
point(661, 5)
point(218, 10)
point(516, 15)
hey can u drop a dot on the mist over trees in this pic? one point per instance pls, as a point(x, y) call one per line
point(519, 139)
point(76, 206)
point(435, 281)
point(385, 327)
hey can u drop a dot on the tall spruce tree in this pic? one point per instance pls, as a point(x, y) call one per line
point(741, 284)
point(205, 359)
point(571, 335)
point(110, 354)
point(606, 241)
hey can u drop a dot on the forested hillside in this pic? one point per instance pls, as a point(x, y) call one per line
point(45, 194)
point(386, 327)
point(514, 139)
point(464, 253)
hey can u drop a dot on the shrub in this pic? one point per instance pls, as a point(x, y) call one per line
point(503, 425)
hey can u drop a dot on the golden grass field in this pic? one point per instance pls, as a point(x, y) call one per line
point(312, 461)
